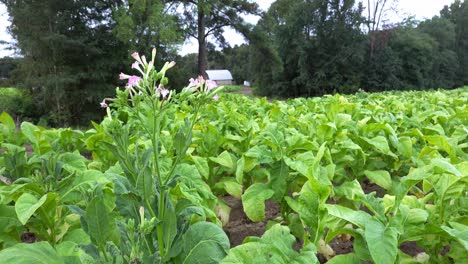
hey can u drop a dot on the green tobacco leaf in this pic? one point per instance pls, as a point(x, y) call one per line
point(145, 183)
point(101, 226)
point(202, 166)
point(442, 143)
point(7, 121)
point(30, 130)
point(233, 188)
point(405, 147)
point(180, 140)
point(459, 232)
point(382, 242)
point(278, 179)
point(40, 253)
point(358, 218)
point(309, 209)
point(253, 201)
point(380, 177)
point(350, 190)
point(73, 162)
point(350, 258)
point(275, 246)
point(205, 243)
point(8, 218)
point(380, 143)
point(26, 206)
point(224, 159)
point(240, 170)
point(169, 226)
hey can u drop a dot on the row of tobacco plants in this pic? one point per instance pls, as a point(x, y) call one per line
point(145, 185)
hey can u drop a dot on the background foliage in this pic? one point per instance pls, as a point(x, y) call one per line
point(71, 55)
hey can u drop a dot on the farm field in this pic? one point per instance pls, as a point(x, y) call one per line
point(183, 178)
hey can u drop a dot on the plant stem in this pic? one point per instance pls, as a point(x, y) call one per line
point(159, 228)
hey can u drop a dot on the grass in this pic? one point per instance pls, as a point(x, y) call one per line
point(232, 88)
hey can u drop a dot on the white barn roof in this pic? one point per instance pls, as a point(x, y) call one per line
point(219, 75)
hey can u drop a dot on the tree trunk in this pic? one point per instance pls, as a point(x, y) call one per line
point(202, 61)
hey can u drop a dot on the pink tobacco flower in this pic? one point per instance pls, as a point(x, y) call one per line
point(216, 97)
point(133, 80)
point(124, 76)
point(136, 56)
point(104, 105)
point(135, 65)
point(193, 82)
point(211, 84)
point(160, 90)
point(164, 92)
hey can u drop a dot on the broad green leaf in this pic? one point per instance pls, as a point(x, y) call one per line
point(223, 211)
point(240, 170)
point(417, 216)
point(37, 253)
point(358, 218)
point(169, 225)
point(8, 218)
point(380, 143)
point(310, 210)
point(459, 232)
point(7, 121)
point(73, 162)
point(180, 141)
point(382, 242)
point(261, 153)
point(78, 236)
point(275, 246)
point(380, 177)
point(253, 201)
point(26, 206)
point(205, 243)
point(202, 166)
point(441, 143)
point(405, 147)
point(224, 159)
point(233, 188)
point(101, 225)
point(445, 166)
point(145, 183)
point(30, 131)
point(278, 179)
point(350, 258)
point(351, 190)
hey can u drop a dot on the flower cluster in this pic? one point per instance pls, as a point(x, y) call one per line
point(203, 85)
point(151, 82)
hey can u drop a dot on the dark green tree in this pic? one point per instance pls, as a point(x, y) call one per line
point(318, 43)
point(70, 55)
point(208, 18)
point(144, 24)
point(445, 67)
point(457, 12)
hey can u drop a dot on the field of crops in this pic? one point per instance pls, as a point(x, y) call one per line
point(383, 175)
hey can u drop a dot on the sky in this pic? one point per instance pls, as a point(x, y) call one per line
point(421, 9)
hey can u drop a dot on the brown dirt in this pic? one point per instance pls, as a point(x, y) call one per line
point(411, 248)
point(28, 237)
point(240, 226)
point(368, 187)
point(341, 245)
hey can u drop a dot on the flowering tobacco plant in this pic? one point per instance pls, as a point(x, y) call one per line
point(139, 121)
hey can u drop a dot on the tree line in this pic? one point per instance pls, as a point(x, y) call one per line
point(72, 50)
point(307, 48)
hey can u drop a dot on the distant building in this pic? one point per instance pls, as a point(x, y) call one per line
point(222, 77)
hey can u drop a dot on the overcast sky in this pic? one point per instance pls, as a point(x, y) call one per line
point(420, 8)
